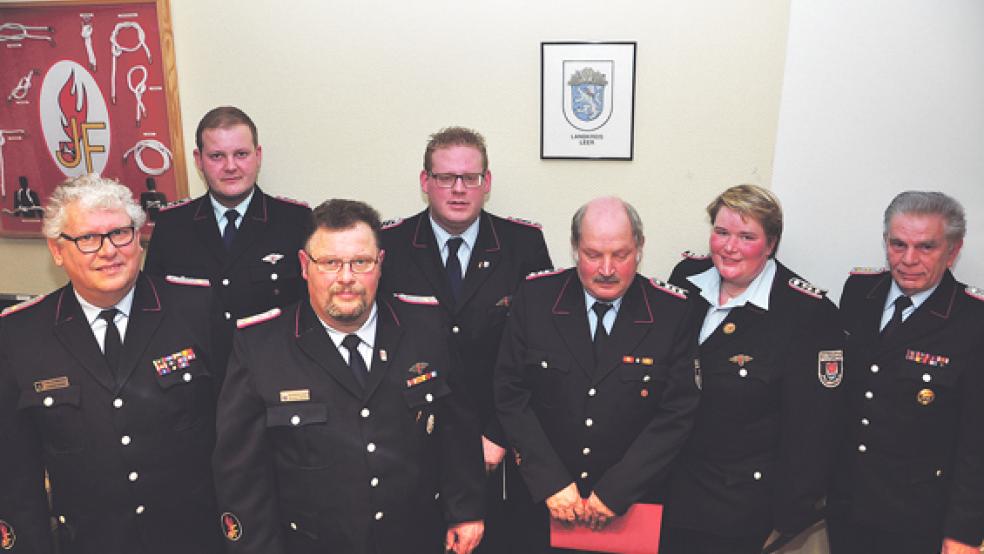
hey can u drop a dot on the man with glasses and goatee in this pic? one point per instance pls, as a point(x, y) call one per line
point(468, 262)
point(341, 428)
point(108, 384)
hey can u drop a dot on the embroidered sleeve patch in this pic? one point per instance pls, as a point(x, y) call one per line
point(232, 528)
point(831, 367)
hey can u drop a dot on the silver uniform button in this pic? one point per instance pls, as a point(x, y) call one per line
point(379, 516)
point(140, 509)
point(874, 368)
point(437, 495)
point(865, 421)
point(429, 397)
point(48, 402)
point(117, 403)
point(544, 364)
point(455, 329)
point(757, 476)
point(186, 377)
point(646, 378)
point(293, 526)
point(125, 440)
point(869, 395)
point(743, 372)
point(274, 276)
point(374, 482)
point(225, 282)
point(371, 447)
point(586, 451)
point(61, 519)
point(592, 392)
point(295, 419)
point(939, 473)
point(862, 448)
point(584, 475)
point(588, 422)
point(364, 413)
point(927, 377)
point(228, 316)
point(133, 476)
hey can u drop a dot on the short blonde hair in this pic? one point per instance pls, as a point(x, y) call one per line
point(755, 202)
point(89, 192)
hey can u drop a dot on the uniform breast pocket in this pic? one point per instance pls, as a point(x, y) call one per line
point(58, 416)
point(188, 387)
point(931, 388)
point(274, 273)
point(643, 381)
point(300, 435)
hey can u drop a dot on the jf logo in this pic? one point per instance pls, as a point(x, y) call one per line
point(74, 120)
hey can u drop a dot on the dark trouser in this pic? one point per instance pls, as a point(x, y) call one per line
point(507, 521)
point(847, 536)
point(678, 540)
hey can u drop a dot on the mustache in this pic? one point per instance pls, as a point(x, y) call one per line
point(606, 279)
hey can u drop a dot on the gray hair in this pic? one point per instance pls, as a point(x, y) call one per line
point(634, 220)
point(89, 192)
point(930, 203)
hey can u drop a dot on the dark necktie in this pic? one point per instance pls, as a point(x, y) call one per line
point(112, 345)
point(453, 265)
point(356, 362)
point(600, 334)
point(229, 233)
point(901, 303)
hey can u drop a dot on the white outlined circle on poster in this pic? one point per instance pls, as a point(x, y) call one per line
point(74, 119)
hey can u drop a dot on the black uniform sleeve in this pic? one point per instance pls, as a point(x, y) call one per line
point(541, 467)
point(23, 503)
point(649, 457)
point(964, 519)
point(812, 419)
point(243, 463)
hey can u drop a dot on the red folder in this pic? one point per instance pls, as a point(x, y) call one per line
point(635, 532)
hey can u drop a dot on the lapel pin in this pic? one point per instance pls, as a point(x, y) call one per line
point(729, 328)
point(382, 355)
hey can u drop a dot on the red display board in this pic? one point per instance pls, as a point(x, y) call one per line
point(86, 88)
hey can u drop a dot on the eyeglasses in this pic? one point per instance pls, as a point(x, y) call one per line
point(334, 265)
point(447, 180)
point(93, 242)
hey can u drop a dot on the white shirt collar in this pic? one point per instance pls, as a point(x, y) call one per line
point(470, 235)
point(757, 293)
point(92, 311)
point(589, 301)
point(917, 299)
point(366, 333)
point(221, 210)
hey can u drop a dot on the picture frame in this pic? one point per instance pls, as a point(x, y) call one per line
point(587, 100)
point(89, 87)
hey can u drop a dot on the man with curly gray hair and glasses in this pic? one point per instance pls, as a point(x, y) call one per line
point(108, 385)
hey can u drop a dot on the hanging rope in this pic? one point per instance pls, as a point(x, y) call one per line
point(118, 50)
point(87, 37)
point(138, 89)
point(23, 87)
point(157, 146)
point(23, 32)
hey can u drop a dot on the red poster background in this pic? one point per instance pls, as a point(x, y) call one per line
point(31, 155)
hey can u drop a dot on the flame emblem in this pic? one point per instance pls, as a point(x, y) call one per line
point(74, 119)
point(74, 112)
point(231, 527)
point(7, 536)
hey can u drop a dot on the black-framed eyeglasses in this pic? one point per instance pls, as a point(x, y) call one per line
point(93, 242)
point(334, 265)
point(447, 180)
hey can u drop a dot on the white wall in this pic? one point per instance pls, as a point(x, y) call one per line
point(879, 97)
point(345, 95)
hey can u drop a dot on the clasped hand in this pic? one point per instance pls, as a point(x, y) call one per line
point(568, 507)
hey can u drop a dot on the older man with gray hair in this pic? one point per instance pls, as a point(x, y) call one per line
point(108, 385)
point(911, 476)
point(595, 382)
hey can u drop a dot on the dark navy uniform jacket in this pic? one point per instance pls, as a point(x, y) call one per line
point(612, 428)
point(261, 270)
point(128, 461)
point(914, 460)
point(309, 461)
point(770, 413)
point(504, 254)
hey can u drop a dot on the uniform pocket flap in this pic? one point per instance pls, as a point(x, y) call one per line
point(274, 272)
point(427, 392)
point(179, 368)
point(295, 415)
point(68, 396)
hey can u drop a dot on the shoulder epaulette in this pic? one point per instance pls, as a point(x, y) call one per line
point(669, 288)
point(249, 321)
point(544, 273)
point(690, 255)
point(416, 299)
point(390, 223)
point(806, 288)
point(526, 222)
point(22, 306)
point(175, 204)
point(975, 292)
point(187, 281)
point(868, 270)
point(292, 201)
